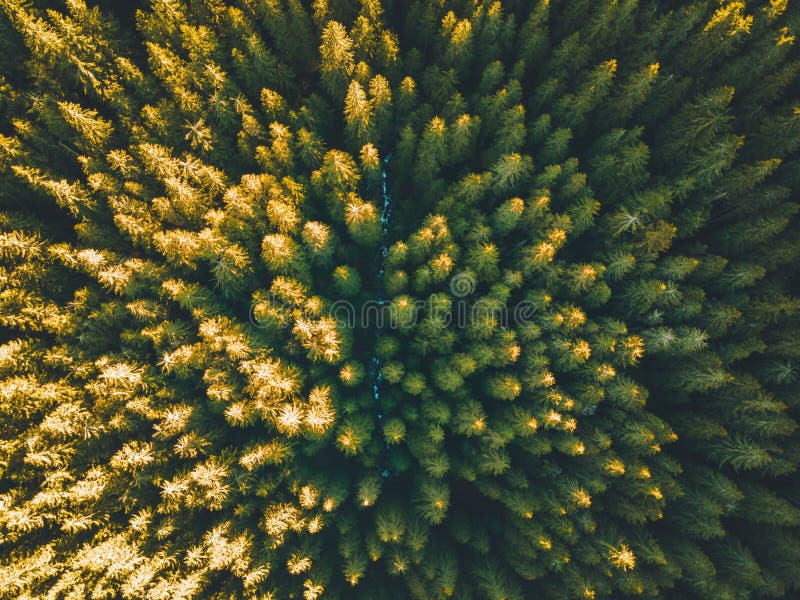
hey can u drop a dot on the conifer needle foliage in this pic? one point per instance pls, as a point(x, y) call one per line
point(581, 213)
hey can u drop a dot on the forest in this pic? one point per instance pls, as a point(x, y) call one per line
point(399, 299)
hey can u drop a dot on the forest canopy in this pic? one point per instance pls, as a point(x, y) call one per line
point(399, 299)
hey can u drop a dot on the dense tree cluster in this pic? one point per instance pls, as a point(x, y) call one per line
point(608, 189)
